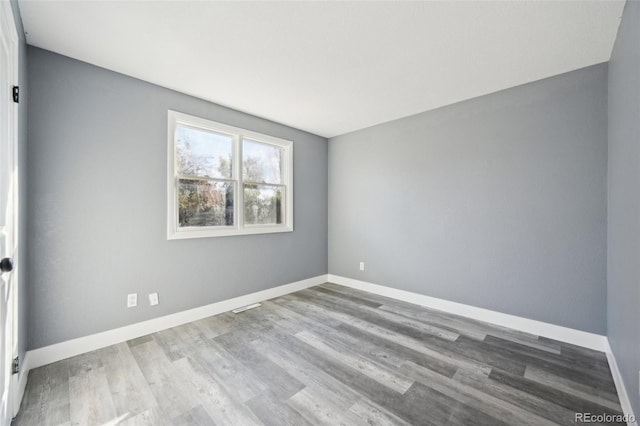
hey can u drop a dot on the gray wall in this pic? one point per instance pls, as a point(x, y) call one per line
point(623, 266)
point(497, 202)
point(97, 197)
point(23, 309)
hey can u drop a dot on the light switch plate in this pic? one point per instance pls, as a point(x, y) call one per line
point(132, 300)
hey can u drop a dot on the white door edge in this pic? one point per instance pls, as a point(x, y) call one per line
point(9, 36)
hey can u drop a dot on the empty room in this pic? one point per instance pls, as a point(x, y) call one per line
point(319, 212)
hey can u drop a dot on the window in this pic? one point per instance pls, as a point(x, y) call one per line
point(223, 180)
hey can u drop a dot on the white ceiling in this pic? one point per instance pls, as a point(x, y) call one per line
point(329, 67)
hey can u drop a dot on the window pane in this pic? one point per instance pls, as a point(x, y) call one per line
point(263, 204)
point(204, 154)
point(261, 162)
point(205, 203)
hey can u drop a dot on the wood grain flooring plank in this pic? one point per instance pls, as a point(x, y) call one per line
point(347, 343)
point(521, 343)
point(359, 310)
point(594, 364)
point(243, 327)
point(444, 361)
point(462, 345)
point(588, 393)
point(579, 353)
point(319, 411)
point(46, 399)
point(274, 412)
point(171, 343)
point(185, 340)
point(375, 415)
point(464, 325)
point(585, 356)
point(213, 396)
point(346, 296)
point(128, 387)
point(140, 340)
point(151, 416)
point(197, 416)
point(221, 363)
point(307, 373)
point(168, 387)
point(216, 325)
point(449, 411)
point(453, 325)
point(90, 398)
point(387, 398)
point(241, 383)
point(550, 394)
point(557, 358)
point(271, 314)
point(293, 321)
point(464, 349)
point(471, 397)
point(526, 401)
point(30, 416)
point(279, 381)
point(367, 367)
point(343, 342)
point(178, 343)
point(477, 351)
point(473, 329)
point(555, 364)
point(84, 363)
point(48, 414)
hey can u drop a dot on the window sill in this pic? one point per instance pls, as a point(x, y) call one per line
point(185, 234)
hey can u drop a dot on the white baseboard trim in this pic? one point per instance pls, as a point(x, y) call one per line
point(625, 402)
point(59, 351)
point(552, 331)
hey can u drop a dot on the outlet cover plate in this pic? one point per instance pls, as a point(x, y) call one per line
point(132, 300)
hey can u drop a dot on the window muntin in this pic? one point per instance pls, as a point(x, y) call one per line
point(208, 197)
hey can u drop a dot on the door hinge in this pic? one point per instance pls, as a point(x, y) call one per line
point(16, 94)
point(15, 366)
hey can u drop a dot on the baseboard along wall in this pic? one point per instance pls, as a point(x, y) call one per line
point(59, 351)
point(625, 402)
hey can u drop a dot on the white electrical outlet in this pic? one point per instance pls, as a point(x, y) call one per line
point(132, 300)
point(362, 266)
point(153, 299)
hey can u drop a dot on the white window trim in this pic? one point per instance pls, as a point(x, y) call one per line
point(174, 232)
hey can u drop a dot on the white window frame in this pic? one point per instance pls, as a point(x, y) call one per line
point(174, 232)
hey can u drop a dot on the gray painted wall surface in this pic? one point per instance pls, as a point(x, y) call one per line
point(623, 266)
point(23, 308)
point(497, 202)
point(97, 197)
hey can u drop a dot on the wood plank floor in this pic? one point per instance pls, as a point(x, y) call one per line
point(327, 355)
